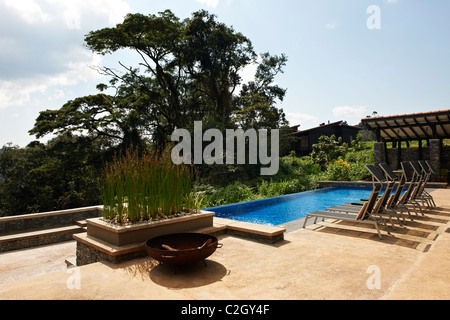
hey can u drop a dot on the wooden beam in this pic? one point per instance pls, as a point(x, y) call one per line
point(393, 130)
point(400, 127)
point(442, 127)
point(421, 129)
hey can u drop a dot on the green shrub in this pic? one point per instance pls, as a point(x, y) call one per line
point(339, 170)
point(296, 174)
point(233, 193)
point(274, 189)
point(327, 150)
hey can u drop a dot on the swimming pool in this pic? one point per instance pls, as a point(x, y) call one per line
point(279, 210)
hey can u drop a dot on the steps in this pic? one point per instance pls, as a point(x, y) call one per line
point(71, 262)
point(82, 224)
point(37, 238)
point(37, 229)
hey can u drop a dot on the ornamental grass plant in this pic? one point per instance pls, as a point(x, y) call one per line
point(137, 188)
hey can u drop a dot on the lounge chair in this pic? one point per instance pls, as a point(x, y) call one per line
point(364, 215)
point(396, 201)
point(389, 172)
point(430, 168)
point(381, 206)
point(377, 177)
point(428, 171)
point(421, 195)
point(415, 183)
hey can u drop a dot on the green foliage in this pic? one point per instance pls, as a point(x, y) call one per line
point(296, 174)
point(327, 150)
point(339, 170)
point(62, 174)
point(274, 189)
point(233, 193)
point(189, 70)
point(255, 107)
point(118, 119)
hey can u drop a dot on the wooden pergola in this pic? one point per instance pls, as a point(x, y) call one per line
point(409, 127)
point(428, 126)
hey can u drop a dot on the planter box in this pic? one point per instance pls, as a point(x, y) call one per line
point(140, 233)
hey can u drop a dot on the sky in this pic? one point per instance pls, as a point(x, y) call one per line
point(346, 58)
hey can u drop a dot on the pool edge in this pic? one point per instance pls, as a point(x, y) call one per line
point(268, 234)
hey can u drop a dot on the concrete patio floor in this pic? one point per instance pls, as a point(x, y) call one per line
point(329, 260)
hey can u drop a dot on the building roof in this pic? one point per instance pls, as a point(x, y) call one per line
point(407, 127)
point(337, 123)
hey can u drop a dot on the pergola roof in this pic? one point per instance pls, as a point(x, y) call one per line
point(407, 127)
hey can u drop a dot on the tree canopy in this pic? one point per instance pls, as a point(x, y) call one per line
point(188, 70)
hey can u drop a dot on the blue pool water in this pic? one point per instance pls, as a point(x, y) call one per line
point(279, 210)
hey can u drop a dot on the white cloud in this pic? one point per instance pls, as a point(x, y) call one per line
point(305, 120)
point(73, 12)
point(29, 10)
point(351, 114)
point(18, 92)
point(42, 53)
point(209, 3)
point(332, 25)
point(78, 14)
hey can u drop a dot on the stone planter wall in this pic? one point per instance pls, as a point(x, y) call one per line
point(104, 241)
point(47, 220)
point(125, 235)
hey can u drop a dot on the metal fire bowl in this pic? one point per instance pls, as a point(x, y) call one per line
point(188, 248)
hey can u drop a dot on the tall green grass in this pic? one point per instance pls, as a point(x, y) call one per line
point(138, 188)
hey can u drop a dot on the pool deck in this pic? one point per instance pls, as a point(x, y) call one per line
point(329, 260)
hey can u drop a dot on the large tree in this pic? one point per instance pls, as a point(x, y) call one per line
point(188, 70)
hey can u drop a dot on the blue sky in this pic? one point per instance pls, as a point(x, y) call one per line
point(338, 68)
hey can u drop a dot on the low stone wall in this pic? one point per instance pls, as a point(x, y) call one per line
point(47, 220)
point(36, 239)
point(87, 254)
point(33, 230)
point(439, 156)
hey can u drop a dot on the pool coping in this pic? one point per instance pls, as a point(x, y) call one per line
point(265, 233)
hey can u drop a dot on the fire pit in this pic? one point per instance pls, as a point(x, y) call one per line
point(182, 248)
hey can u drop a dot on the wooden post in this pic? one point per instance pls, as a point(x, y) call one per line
point(420, 150)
